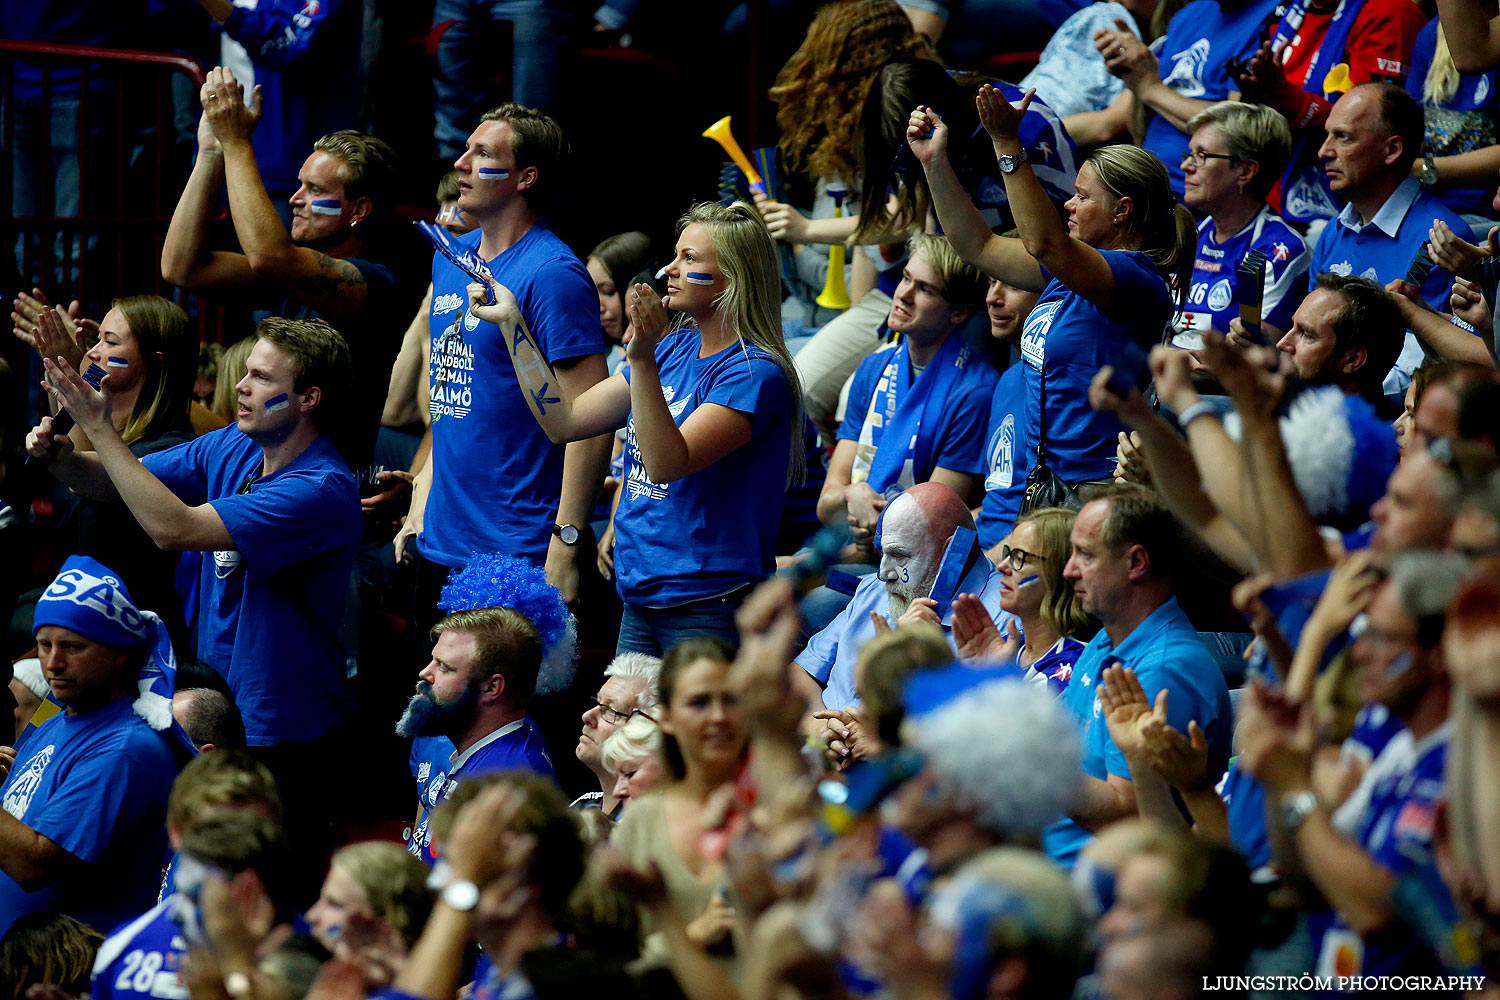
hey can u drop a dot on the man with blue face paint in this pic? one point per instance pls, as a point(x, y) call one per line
point(1357, 853)
point(468, 715)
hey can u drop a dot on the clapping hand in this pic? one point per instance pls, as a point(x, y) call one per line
point(648, 318)
point(1000, 118)
point(223, 100)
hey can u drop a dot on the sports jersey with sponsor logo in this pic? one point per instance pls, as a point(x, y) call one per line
point(1211, 295)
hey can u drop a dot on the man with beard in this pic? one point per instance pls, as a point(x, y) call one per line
point(913, 534)
point(469, 710)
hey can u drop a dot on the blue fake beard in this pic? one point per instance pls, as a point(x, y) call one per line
point(426, 716)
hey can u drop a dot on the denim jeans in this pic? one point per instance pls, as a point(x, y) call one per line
point(656, 630)
point(466, 61)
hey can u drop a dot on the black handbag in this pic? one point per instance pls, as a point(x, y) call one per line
point(1045, 488)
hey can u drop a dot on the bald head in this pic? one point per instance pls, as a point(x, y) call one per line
point(942, 507)
point(914, 530)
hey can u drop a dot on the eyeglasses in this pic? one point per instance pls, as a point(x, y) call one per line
point(1199, 158)
point(609, 712)
point(1018, 558)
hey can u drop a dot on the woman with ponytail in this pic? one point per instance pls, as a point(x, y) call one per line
point(1111, 278)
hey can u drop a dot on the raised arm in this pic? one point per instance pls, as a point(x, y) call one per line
point(1434, 330)
point(172, 524)
point(567, 409)
point(1473, 36)
point(186, 260)
point(965, 228)
point(1129, 58)
point(1076, 264)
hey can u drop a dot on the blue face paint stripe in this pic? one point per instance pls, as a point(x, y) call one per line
point(698, 278)
point(277, 403)
point(113, 362)
point(492, 173)
point(326, 206)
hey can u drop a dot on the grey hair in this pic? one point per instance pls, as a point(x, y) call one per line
point(638, 665)
point(1426, 581)
point(1009, 751)
point(638, 737)
point(1251, 132)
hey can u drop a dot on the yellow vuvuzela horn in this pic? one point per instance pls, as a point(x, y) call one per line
point(835, 294)
point(719, 132)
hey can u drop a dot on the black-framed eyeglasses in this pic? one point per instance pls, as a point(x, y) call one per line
point(1018, 558)
point(1198, 158)
point(615, 716)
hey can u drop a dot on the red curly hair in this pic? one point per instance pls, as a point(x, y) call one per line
point(821, 90)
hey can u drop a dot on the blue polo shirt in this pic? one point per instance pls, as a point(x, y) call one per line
point(1383, 248)
point(830, 656)
point(1165, 652)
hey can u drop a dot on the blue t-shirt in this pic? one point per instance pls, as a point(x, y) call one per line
point(295, 534)
point(1073, 337)
point(141, 959)
point(498, 479)
point(1245, 807)
point(714, 531)
point(96, 785)
point(1165, 652)
point(1464, 122)
point(958, 444)
point(1054, 668)
point(1007, 458)
point(1200, 41)
point(430, 762)
point(1210, 302)
point(517, 746)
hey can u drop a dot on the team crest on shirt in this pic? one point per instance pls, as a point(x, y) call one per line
point(1343, 268)
point(1369, 272)
point(435, 790)
point(1306, 199)
point(991, 192)
point(471, 321)
point(18, 798)
point(424, 770)
point(1220, 295)
point(1281, 252)
point(1186, 76)
point(1034, 333)
point(1002, 455)
point(226, 561)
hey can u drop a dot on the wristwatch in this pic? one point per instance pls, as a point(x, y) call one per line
point(1296, 807)
point(1008, 164)
point(461, 895)
point(567, 533)
point(1428, 177)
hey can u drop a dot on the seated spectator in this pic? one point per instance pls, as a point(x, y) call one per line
point(48, 950)
point(1347, 332)
point(374, 888)
point(1203, 40)
point(612, 264)
point(914, 534)
point(1374, 136)
point(1053, 628)
point(930, 428)
point(1125, 544)
point(473, 695)
point(1235, 154)
point(1357, 853)
point(246, 853)
point(1297, 72)
point(633, 754)
point(213, 784)
point(210, 718)
point(629, 689)
point(86, 791)
point(1007, 455)
point(704, 746)
point(327, 268)
point(513, 855)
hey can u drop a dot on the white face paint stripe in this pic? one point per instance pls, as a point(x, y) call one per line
point(698, 278)
point(326, 206)
point(491, 173)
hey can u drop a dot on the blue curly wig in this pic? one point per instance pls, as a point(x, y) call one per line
point(491, 580)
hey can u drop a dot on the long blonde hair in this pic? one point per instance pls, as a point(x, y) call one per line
point(751, 300)
point(1442, 76)
point(170, 358)
point(1168, 234)
point(231, 369)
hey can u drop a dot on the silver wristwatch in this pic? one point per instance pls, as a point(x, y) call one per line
point(1296, 807)
point(1008, 164)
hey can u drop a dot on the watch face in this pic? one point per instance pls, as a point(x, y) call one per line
point(461, 895)
point(568, 534)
